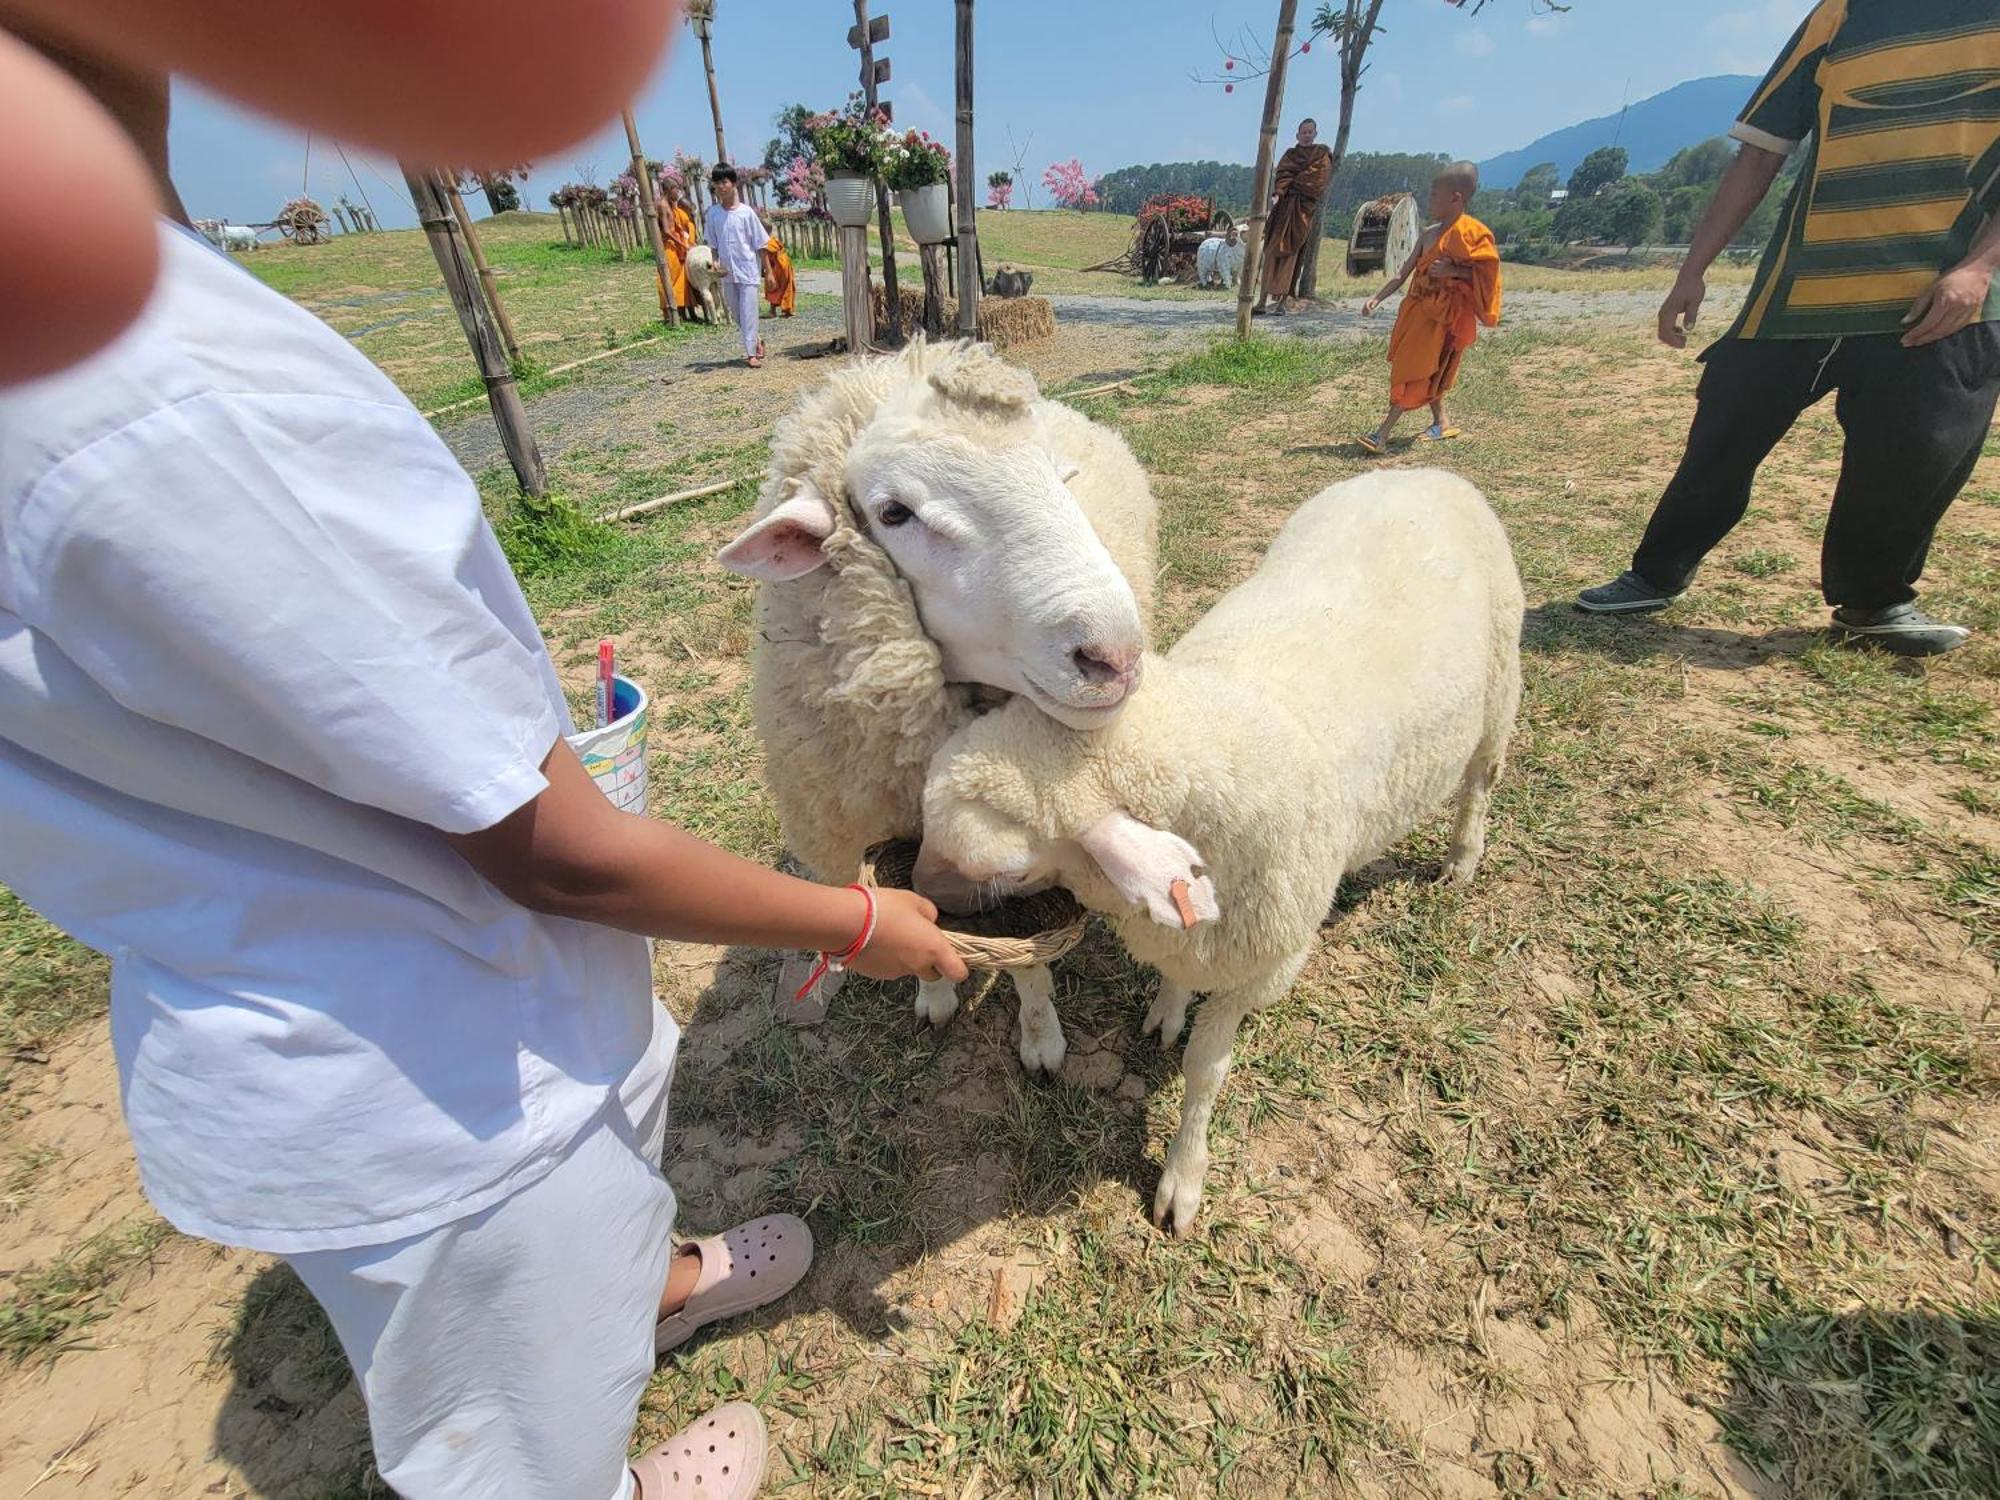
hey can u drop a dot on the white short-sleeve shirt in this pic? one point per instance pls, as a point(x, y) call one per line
point(257, 646)
point(738, 238)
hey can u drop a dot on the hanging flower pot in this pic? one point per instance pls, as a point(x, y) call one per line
point(850, 198)
point(927, 210)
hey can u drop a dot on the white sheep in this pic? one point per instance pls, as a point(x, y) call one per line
point(1369, 669)
point(704, 283)
point(934, 535)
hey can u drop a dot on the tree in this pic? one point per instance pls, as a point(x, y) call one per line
point(1682, 210)
point(1071, 186)
point(1698, 165)
point(1537, 184)
point(497, 184)
point(1604, 166)
point(1579, 219)
point(1353, 25)
point(1631, 212)
point(792, 141)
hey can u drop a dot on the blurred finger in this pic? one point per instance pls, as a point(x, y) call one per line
point(1920, 308)
point(77, 244)
point(415, 78)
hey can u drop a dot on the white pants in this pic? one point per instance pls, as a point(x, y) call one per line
point(503, 1356)
point(742, 297)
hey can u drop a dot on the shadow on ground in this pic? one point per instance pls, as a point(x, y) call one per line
point(1871, 1405)
point(1559, 627)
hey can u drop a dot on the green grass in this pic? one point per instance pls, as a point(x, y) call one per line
point(48, 984)
point(50, 1307)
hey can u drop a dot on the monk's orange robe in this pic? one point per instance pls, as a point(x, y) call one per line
point(1440, 319)
point(780, 286)
point(679, 235)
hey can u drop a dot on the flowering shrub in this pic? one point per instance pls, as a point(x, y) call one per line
point(999, 194)
point(914, 160)
point(1184, 212)
point(1070, 186)
point(804, 182)
point(854, 139)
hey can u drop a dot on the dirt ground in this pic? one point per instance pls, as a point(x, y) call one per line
point(1663, 1162)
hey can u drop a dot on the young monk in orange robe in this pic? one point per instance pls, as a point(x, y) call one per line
point(677, 229)
point(1454, 281)
point(780, 286)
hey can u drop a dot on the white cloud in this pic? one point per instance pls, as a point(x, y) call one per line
point(916, 110)
point(1475, 43)
point(1457, 104)
point(1548, 25)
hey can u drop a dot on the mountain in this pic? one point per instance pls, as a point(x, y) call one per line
point(1653, 130)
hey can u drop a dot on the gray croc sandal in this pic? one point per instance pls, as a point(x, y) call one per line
point(744, 1267)
point(716, 1457)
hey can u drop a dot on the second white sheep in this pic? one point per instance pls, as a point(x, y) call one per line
point(1366, 672)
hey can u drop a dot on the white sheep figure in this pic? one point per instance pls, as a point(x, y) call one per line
point(932, 536)
point(704, 281)
point(1368, 670)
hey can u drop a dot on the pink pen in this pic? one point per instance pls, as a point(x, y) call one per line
point(606, 672)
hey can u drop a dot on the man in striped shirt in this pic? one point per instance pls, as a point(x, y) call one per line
point(1878, 286)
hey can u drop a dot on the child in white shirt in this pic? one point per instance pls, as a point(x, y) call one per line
point(738, 237)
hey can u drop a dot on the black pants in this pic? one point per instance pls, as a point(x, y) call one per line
point(1915, 421)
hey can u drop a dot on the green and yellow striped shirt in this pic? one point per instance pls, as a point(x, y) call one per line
point(1901, 99)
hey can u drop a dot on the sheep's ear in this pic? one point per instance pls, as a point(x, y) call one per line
point(1152, 868)
point(786, 544)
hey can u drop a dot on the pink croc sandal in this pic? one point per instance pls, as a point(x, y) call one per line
point(717, 1457)
point(743, 1268)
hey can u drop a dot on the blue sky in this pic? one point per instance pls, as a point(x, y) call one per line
point(1079, 79)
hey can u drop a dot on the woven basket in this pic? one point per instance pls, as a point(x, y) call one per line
point(1037, 929)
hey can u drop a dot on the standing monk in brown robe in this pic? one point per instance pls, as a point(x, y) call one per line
point(1303, 174)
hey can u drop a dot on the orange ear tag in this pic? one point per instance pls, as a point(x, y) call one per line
point(1179, 891)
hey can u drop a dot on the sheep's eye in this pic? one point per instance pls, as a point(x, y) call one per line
point(895, 513)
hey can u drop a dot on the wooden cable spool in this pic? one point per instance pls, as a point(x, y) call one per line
point(1019, 934)
point(1384, 235)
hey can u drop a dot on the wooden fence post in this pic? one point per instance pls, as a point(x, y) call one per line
point(455, 265)
point(486, 281)
point(869, 71)
point(968, 234)
point(854, 296)
point(933, 262)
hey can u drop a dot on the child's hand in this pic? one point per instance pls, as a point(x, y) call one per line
point(907, 941)
point(1368, 307)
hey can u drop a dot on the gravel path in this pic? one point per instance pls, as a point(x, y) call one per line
point(693, 402)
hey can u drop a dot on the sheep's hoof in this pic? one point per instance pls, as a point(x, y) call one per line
point(1044, 1053)
point(1178, 1198)
point(937, 1001)
point(1459, 869)
point(1166, 1016)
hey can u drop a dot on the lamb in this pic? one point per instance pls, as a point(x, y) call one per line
point(1366, 671)
point(704, 281)
point(932, 536)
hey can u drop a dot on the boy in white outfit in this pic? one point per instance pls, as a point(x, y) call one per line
point(279, 735)
point(738, 237)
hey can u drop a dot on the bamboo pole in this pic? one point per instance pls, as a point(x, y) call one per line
point(647, 507)
point(486, 281)
point(1260, 187)
point(968, 233)
point(650, 207)
point(516, 436)
point(894, 334)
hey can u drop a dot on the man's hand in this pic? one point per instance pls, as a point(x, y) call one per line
point(908, 941)
point(1680, 311)
point(1948, 304)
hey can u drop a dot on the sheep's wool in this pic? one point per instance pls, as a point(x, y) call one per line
point(850, 695)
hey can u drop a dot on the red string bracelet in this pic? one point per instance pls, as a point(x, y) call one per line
point(836, 963)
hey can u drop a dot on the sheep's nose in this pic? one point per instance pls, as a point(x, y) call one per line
point(1104, 665)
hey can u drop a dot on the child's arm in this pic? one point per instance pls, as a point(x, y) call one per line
point(1409, 266)
point(570, 853)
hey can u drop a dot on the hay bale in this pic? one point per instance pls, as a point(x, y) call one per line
point(1008, 321)
point(1003, 322)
